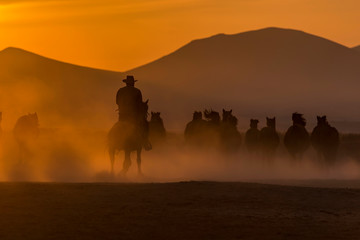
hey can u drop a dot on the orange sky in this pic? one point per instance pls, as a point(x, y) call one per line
point(122, 34)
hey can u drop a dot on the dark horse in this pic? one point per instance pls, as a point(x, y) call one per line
point(325, 140)
point(229, 135)
point(195, 129)
point(26, 130)
point(128, 135)
point(157, 130)
point(252, 137)
point(269, 139)
point(297, 139)
point(212, 128)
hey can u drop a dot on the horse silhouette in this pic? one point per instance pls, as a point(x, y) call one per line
point(230, 138)
point(297, 139)
point(157, 130)
point(212, 128)
point(252, 137)
point(26, 130)
point(195, 130)
point(129, 136)
point(269, 139)
point(325, 140)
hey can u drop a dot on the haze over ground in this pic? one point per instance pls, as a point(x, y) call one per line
point(267, 72)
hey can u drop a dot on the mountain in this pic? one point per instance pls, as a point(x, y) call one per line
point(357, 48)
point(267, 72)
point(61, 93)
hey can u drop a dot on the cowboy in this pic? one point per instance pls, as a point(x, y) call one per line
point(129, 100)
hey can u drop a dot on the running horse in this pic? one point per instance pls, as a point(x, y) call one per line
point(129, 136)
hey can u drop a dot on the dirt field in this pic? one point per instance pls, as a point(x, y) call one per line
point(185, 210)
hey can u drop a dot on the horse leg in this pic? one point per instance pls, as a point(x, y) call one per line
point(112, 159)
point(138, 159)
point(127, 162)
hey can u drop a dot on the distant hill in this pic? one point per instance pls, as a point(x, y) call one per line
point(357, 48)
point(268, 72)
point(61, 93)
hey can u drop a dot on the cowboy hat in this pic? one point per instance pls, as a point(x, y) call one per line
point(129, 79)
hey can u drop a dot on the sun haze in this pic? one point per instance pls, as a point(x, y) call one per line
point(120, 35)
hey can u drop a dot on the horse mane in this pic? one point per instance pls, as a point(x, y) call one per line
point(210, 114)
point(145, 108)
point(298, 119)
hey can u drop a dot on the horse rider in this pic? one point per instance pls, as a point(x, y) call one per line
point(129, 101)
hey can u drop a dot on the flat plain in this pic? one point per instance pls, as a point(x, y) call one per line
point(182, 210)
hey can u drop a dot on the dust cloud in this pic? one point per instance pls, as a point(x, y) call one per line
point(70, 148)
point(72, 155)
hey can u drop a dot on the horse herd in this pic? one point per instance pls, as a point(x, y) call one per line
point(212, 131)
point(221, 133)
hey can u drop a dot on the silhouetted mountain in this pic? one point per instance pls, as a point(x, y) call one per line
point(61, 93)
point(270, 71)
point(357, 48)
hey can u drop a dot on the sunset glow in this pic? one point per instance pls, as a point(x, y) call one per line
point(120, 35)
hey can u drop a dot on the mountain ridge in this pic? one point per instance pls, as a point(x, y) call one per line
point(357, 48)
point(15, 50)
point(265, 72)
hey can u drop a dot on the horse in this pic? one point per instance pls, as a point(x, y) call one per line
point(229, 135)
point(269, 139)
point(212, 128)
point(129, 136)
point(325, 140)
point(26, 130)
point(195, 129)
point(297, 139)
point(157, 130)
point(252, 137)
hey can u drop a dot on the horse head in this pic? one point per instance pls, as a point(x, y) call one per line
point(32, 119)
point(144, 109)
point(155, 116)
point(271, 122)
point(197, 115)
point(254, 123)
point(322, 121)
point(226, 115)
point(212, 116)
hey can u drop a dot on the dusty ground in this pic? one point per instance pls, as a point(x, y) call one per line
point(188, 210)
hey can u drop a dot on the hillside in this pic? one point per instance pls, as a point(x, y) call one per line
point(270, 71)
point(61, 93)
point(267, 72)
point(357, 48)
